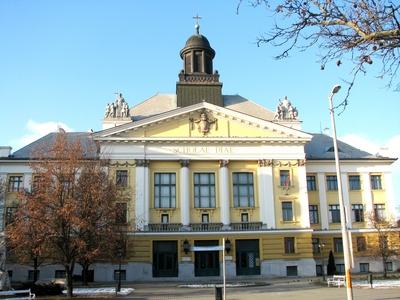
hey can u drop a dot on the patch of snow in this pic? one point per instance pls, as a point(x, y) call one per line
point(378, 283)
point(100, 291)
point(212, 285)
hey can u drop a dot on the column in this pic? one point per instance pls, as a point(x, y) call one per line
point(27, 184)
point(323, 203)
point(303, 195)
point(367, 197)
point(184, 189)
point(388, 187)
point(266, 193)
point(142, 194)
point(346, 199)
point(224, 192)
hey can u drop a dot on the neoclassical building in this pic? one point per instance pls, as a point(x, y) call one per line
point(198, 166)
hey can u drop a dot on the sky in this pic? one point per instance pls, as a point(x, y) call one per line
point(62, 61)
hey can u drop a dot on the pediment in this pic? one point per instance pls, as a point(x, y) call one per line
point(199, 122)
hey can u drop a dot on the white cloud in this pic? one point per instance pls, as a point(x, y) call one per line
point(36, 130)
point(389, 148)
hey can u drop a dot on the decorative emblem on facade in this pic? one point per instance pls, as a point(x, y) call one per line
point(118, 109)
point(286, 111)
point(204, 123)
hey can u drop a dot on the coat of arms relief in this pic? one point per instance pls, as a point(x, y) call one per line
point(204, 123)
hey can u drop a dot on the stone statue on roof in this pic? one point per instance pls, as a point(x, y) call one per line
point(285, 111)
point(118, 109)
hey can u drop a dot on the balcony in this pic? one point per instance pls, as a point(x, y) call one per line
point(170, 227)
point(206, 226)
point(246, 226)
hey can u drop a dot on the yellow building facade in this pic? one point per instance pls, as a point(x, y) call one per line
point(198, 166)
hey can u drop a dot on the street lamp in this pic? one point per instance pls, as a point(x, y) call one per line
point(343, 219)
point(321, 251)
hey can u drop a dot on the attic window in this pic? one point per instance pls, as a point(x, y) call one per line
point(332, 149)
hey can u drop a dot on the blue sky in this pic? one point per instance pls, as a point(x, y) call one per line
point(62, 61)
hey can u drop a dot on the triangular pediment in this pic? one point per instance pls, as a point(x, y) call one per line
point(202, 121)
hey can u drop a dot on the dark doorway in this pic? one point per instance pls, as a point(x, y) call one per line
point(247, 257)
point(206, 263)
point(165, 259)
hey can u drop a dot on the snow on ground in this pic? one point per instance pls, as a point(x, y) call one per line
point(100, 291)
point(394, 283)
point(211, 285)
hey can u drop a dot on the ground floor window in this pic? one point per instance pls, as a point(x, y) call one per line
point(31, 275)
point(340, 269)
point(364, 267)
point(291, 271)
point(119, 274)
point(59, 274)
point(389, 266)
point(318, 270)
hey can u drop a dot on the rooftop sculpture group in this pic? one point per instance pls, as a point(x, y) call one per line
point(118, 109)
point(286, 111)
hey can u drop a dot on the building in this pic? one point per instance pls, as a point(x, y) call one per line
point(198, 166)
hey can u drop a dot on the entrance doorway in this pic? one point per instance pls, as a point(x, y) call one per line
point(165, 259)
point(206, 263)
point(247, 257)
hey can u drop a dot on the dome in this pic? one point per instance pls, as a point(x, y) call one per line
point(197, 41)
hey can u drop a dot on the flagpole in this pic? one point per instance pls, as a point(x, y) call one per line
point(223, 267)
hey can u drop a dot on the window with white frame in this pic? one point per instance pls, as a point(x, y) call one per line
point(311, 183)
point(164, 218)
point(340, 269)
point(338, 245)
point(357, 212)
point(364, 267)
point(164, 190)
point(243, 189)
point(313, 211)
point(284, 176)
point(204, 190)
point(379, 211)
point(15, 183)
point(389, 266)
point(331, 183)
point(376, 182)
point(361, 243)
point(121, 178)
point(287, 211)
point(354, 182)
point(334, 213)
point(289, 245)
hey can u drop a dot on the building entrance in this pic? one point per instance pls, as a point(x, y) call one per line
point(165, 259)
point(247, 257)
point(206, 263)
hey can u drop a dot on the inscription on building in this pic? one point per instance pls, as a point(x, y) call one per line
point(202, 150)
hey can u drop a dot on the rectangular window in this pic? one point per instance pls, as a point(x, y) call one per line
point(361, 243)
point(313, 211)
point(376, 182)
point(316, 245)
point(37, 182)
point(121, 213)
point(291, 271)
point(340, 269)
point(334, 213)
point(284, 178)
point(354, 182)
point(10, 214)
point(204, 190)
point(379, 212)
point(331, 183)
point(118, 274)
point(31, 274)
point(121, 178)
point(244, 217)
point(164, 218)
point(364, 267)
point(357, 212)
point(243, 189)
point(205, 218)
point(287, 211)
point(289, 245)
point(14, 183)
point(389, 266)
point(311, 183)
point(59, 274)
point(338, 245)
point(164, 190)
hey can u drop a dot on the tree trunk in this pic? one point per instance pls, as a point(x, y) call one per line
point(69, 270)
point(384, 267)
point(85, 274)
point(35, 270)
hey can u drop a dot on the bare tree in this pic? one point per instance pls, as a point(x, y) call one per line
point(4, 279)
point(385, 243)
point(364, 31)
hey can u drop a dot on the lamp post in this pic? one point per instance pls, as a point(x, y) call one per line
point(321, 251)
point(343, 219)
